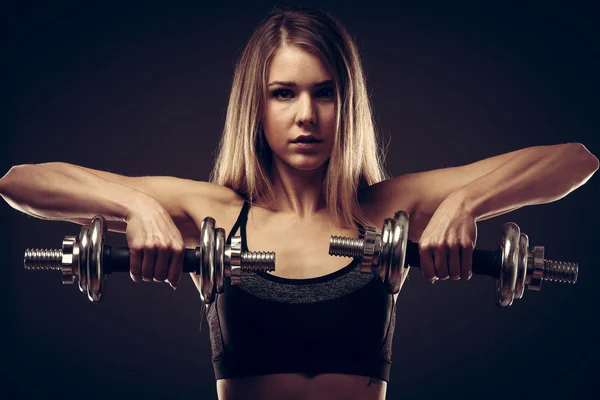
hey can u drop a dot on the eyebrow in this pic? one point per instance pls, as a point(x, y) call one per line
point(293, 84)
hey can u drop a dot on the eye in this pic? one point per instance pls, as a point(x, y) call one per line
point(326, 93)
point(282, 93)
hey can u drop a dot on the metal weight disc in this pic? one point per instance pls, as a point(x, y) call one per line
point(506, 283)
point(386, 249)
point(96, 278)
point(522, 269)
point(397, 271)
point(220, 259)
point(207, 266)
point(84, 250)
point(70, 259)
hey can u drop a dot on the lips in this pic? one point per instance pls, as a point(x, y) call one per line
point(306, 139)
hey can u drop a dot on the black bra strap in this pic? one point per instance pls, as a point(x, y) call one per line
point(243, 226)
point(240, 222)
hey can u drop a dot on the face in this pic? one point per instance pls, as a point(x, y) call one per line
point(299, 119)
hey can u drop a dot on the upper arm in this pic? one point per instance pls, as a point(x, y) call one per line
point(175, 195)
point(420, 194)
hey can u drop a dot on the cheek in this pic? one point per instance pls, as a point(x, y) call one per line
point(273, 129)
point(327, 119)
point(276, 122)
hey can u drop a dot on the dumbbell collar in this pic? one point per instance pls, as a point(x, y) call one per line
point(233, 260)
point(371, 250)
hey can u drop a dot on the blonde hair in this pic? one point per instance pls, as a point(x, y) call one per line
point(243, 157)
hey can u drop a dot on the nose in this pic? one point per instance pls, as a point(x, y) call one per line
point(306, 114)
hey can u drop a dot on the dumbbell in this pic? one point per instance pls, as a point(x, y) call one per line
point(514, 265)
point(88, 260)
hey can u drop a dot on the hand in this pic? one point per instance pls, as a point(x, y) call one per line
point(155, 245)
point(447, 243)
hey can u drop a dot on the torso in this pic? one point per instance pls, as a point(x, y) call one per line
point(303, 254)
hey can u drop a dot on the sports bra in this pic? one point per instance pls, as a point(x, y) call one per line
point(342, 322)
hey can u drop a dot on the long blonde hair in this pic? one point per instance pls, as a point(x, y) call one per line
point(243, 157)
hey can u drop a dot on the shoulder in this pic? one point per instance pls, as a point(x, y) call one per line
point(205, 199)
point(383, 199)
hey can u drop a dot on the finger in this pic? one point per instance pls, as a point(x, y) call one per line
point(454, 262)
point(441, 263)
point(176, 267)
point(148, 264)
point(135, 264)
point(467, 261)
point(426, 263)
point(162, 264)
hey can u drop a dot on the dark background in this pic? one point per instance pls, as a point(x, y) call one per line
point(142, 88)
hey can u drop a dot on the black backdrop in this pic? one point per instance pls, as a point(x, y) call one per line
point(141, 89)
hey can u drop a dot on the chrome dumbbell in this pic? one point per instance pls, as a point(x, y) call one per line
point(514, 265)
point(88, 260)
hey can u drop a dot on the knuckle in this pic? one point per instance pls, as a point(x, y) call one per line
point(467, 245)
point(451, 242)
point(174, 248)
point(162, 248)
point(136, 247)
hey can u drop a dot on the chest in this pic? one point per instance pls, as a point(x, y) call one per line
point(301, 247)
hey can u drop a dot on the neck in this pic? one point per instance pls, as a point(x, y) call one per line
point(298, 192)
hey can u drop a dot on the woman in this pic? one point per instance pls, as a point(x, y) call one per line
point(298, 162)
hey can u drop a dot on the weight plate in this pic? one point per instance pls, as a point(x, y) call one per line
point(386, 249)
point(397, 271)
point(207, 266)
point(522, 268)
point(96, 279)
point(219, 259)
point(84, 251)
point(506, 283)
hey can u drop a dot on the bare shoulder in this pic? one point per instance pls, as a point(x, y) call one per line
point(212, 200)
point(383, 199)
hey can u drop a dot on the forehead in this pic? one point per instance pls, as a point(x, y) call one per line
point(291, 63)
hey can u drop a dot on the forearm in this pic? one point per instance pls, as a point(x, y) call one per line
point(539, 175)
point(61, 191)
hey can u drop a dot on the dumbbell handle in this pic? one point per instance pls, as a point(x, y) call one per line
point(117, 259)
point(485, 262)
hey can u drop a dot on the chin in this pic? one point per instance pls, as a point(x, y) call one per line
point(306, 163)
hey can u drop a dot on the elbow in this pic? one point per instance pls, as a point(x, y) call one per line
point(13, 175)
point(590, 159)
point(4, 181)
point(584, 165)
